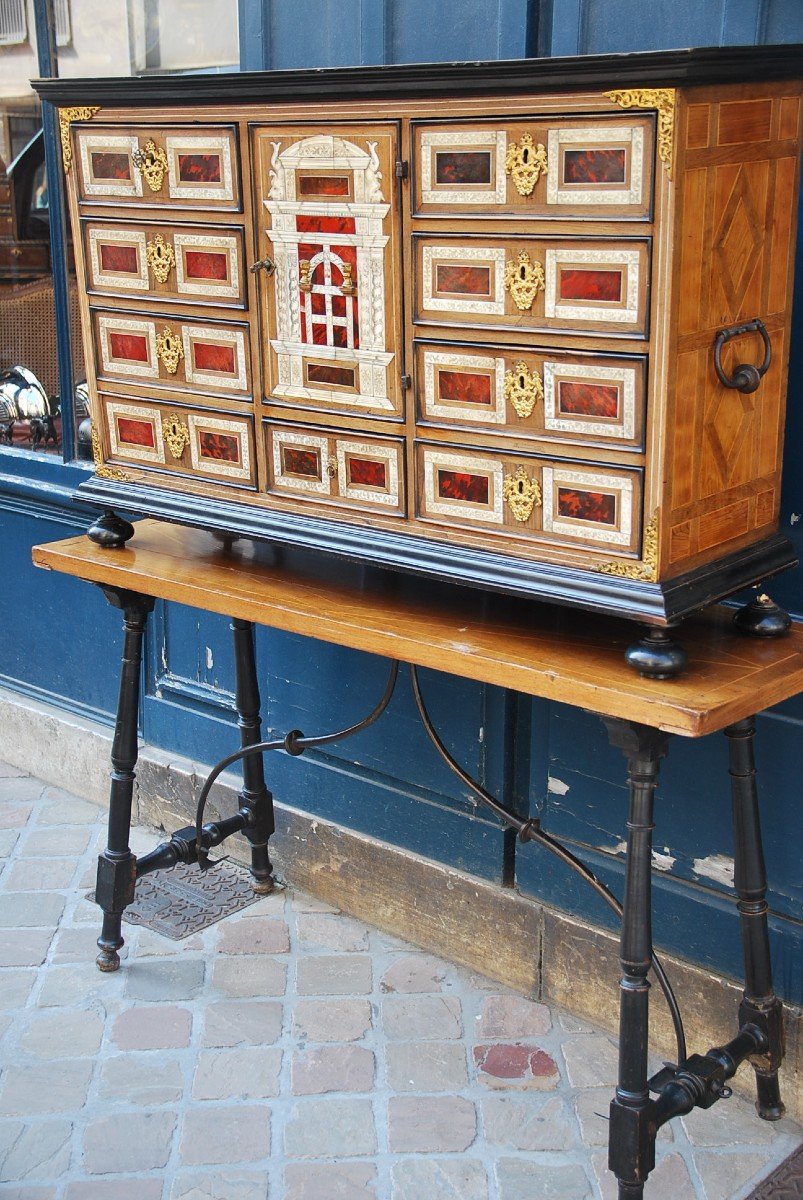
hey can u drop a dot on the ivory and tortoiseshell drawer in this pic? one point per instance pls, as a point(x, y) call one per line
point(590, 167)
point(181, 168)
point(187, 263)
point(173, 352)
point(314, 465)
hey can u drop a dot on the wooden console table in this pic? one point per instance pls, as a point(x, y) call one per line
point(551, 653)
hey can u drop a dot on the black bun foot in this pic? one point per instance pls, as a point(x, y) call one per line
point(110, 531)
point(762, 617)
point(656, 655)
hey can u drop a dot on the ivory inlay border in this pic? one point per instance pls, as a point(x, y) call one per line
point(480, 414)
point(435, 459)
point(594, 137)
point(284, 437)
point(561, 309)
point(553, 477)
point(175, 145)
point(137, 413)
point(432, 192)
point(624, 427)
point(207, 466)
point(207, 287)
point(494, 256)
point(111, 187)
point(108, 325)
point(119, 280)
point(389, 456)
point(233, 337)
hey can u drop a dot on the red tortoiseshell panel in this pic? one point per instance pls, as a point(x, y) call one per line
point(323, 185)
point(588, 399)
point(309, 223)
point(462, 280)
point(136, 433)
point(108, 164)
point(301, 462)
point(119, 258)
point(347, 254)
point(131, 346)
point(199, 168)
point(587, 506)
point(594, 166)
point(367, 472)
point(206, 264)
point(464, 166)
point(578, 284)
point(459, 485)
point(224, 447)
point(339, 376)
point(317, 302)
point(207, 356)
point(464, 387)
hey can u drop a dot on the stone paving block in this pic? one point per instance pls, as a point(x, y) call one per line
point(170, 980)
point(332, 1069)
point(163, 1027)
point(14, 814)
point(591, 1061)
point(62, 808)
point(527, 1123)
point(217, 1134)
point(29, 1193)
point(9, 771)
point(242, 1023)
point(128, 1142)
point(150, 944)
point(40, 1150)
point(523, 1179)
point(146, 1080)
point(251, 1073)
point(331, 1020)
point(21, 786)
point(724, 1124)
point(334, 975)
point(75, 946)
point(441, 1178)
point(69, 842)
point(426, 1066)
point(242, 977)
point(8, 840)
point(252, 1185)
point(512, 1017)
point(63, 1034)
point(414, 973)
point(431, 1123)
point(24, 947)
point(670, 1179)
point(418, 1018)
point(80, 984)
point(15, 987)
point(140, 1188)
point(38, 1088)
point(39, 874)
point(253, 935)
point(331, 932)
point(724, 1175)
point(301, 902)
point(335, 1181)
point(330, 1128)
point(505, 1066)
point(27, 910)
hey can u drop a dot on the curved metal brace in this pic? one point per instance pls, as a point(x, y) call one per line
point(529, 830)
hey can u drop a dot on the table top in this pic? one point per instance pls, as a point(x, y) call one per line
point(542, 650)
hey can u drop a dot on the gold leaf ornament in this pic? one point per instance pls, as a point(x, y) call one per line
point(66, 117)
point(101, 470)
point(169, 349)
point(523, 388)
point(524, 279)
point(521, 494)
point(161, 258)
point(151, 162)
point(662, 99)
point(647, 568)
point(176, 435)
point(526, 163)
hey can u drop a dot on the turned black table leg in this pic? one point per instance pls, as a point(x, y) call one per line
point(254, 795)
point(760, 1006)
point(632, 1132)
point(117, 865)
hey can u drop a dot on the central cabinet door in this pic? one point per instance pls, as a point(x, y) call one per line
point(327, 218)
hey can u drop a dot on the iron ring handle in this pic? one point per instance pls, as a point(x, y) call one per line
point(265, 264)
point(746, 377)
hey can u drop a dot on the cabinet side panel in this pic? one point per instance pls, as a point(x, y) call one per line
point(737, 159)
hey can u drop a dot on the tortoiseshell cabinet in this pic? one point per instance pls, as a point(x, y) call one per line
point(461, 320)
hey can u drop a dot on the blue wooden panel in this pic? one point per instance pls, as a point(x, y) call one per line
point(427, 31)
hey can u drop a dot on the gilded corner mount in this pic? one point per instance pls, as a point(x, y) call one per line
point(647, 567)
point(101, 470)
point(662, 99)
point(66, 117)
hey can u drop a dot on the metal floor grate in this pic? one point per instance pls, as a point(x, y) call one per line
point(785, 1183)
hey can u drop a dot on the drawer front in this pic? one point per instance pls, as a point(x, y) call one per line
point(166, 262)
point(173, 167)
point(530, 497)
point(180, 440)
point(593, 167)
point(357, 470)
point(546, 394)
point(528, 283)
point(171, 352)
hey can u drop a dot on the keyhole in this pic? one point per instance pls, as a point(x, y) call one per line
point(520, 486)
point(521, 382)
point(525, 155)
point(522, 272)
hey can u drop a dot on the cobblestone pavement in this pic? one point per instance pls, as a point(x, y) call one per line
point(292, 1053)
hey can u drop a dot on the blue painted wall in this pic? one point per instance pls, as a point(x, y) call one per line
point(388, 781)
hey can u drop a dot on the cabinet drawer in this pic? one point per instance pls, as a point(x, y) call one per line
point(153, 166)
point(357, 470)
point(166, 262)
point(593, 167)
point(171, 352)
point(545, 283)
point(546, 394)
point(181, 440)
point(530, 496)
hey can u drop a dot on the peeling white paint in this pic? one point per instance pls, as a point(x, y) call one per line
point(619, 848)
point(663, 862)
point(210, 662)
point(482, 734)
point(164, 655)
point(717, 867)
point(795, 517)
point(556, 786)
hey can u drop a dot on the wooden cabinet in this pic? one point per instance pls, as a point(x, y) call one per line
point(454, 319)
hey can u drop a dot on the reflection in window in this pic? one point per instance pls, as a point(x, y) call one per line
point(183, 35)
